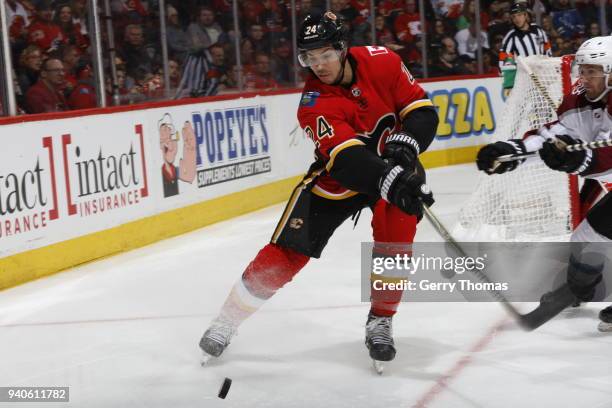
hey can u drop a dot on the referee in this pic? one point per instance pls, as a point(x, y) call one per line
point(523, 40)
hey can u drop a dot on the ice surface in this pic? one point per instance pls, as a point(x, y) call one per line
point(123, 332)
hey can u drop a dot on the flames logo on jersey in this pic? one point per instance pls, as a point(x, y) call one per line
point(383, 128)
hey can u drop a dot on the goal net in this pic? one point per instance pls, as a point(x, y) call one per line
point(531, 203)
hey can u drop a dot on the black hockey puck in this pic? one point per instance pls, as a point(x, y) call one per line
point(227, 383)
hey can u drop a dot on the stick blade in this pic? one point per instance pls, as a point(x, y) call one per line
point(551, 305)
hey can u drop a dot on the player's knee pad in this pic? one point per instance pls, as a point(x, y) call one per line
point(272, 268)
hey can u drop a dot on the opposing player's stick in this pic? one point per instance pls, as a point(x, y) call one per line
point(570, 148)
point(556, 302)
point(537, 82)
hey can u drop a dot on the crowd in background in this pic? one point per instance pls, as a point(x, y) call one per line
point(51, 45)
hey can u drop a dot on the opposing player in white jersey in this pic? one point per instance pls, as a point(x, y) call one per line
point(585, 115)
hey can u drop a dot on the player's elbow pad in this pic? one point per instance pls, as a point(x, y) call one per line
point(422, 124)
point(358, 169)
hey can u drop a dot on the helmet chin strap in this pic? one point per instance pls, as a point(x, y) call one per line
point(606, 90)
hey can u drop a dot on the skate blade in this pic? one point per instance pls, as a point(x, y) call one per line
point(604, 327)
point(379, 366)
point(205, 359)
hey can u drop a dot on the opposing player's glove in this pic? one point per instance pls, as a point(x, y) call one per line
point(405, 189)
point(402, 149)
point(555, 156)
point(487, 156)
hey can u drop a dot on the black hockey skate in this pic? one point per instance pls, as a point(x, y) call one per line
point(216, 338)
point(605, 325)
point(379, 340)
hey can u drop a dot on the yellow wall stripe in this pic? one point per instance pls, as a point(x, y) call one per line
point(30, 265)
point(449, 157)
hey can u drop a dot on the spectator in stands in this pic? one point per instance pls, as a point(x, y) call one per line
point(47, 95)
point(205, 31)
point(343, 9)
point(274, 20)
point(499, 20)
point(305, 7)
point(70, 55)
point(567, 20)
point(594, 30)
point(445, 63)
point(28, 71)
point(42, 31)
point(384, 36)
point(408, 24)
point(390, 9)
point(129, 12)
point(567, 47)
point(467, 65)
point(588, 10)
point(247, 53)
point(469, 14)
point(224, 12)
point(174, 73)
point(449, 45)
point(217, 69)
point(261, 77)
point(256, 36)
point(361, 25)
point(231, 80)
point(70, 30)
point(549, 29)
point(126, 95)
point(496, 45)
point(281, 57)
point(467, 41)
point(83, 96)
point(18, 19)
point(79, 14)
point(137, 55)
point(178, 40)
point(438, 32)
point(490, 62)
point(251, 12)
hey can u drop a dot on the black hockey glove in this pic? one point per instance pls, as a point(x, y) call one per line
point(405, 189)
point(485, 160)
point(555, 156)
point(402, 149)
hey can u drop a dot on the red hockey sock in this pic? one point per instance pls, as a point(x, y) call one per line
point(271, 269)
point(393, 233)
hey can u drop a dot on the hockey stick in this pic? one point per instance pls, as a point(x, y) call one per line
point(547, 309)
point(570, 148)
point(537, 83)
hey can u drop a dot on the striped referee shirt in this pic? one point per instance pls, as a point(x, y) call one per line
point(523, 44)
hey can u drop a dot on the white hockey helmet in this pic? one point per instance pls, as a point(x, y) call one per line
point(597, 51)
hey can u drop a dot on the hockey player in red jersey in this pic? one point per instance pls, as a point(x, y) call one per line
point(585, 115)
point(369, 121)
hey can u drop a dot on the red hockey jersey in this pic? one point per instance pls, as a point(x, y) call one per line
point(336, 117)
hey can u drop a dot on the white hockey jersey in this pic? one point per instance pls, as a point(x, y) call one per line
point(580, 119)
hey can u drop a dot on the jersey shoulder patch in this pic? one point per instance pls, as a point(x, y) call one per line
point(309, 98)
